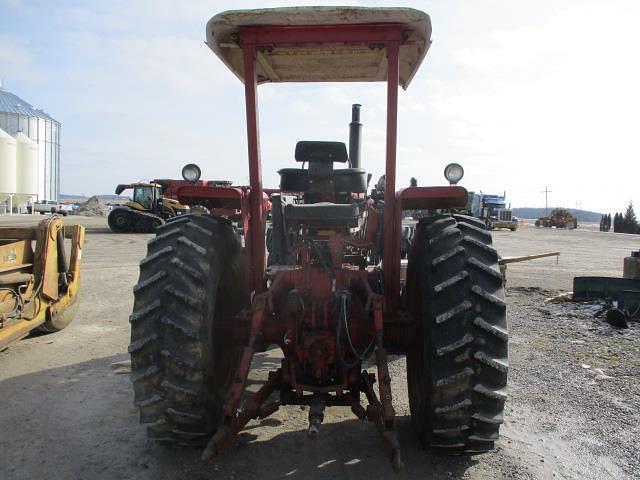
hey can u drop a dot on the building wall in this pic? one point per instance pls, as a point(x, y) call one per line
point(46, 133)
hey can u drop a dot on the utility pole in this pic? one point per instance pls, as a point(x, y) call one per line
point(578, 213)
point(546, 192)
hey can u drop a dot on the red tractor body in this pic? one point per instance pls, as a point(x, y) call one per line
point(330, 293)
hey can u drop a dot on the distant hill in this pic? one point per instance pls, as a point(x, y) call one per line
point(581, 215)
point(67, 198)
point(64, 196)
point(113, 197)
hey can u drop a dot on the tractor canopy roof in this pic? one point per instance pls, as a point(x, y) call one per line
point(321, 44)
point(126, 186)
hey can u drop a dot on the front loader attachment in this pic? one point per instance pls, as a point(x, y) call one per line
point(38, 284)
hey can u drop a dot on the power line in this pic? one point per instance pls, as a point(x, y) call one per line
point(546, 192)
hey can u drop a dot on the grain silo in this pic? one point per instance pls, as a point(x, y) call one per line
point(7, 169)
point(17, 115)
point(26, 168)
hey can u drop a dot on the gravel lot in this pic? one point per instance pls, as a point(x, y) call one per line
point(66, 413)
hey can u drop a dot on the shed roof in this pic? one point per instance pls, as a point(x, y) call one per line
point(320, 61)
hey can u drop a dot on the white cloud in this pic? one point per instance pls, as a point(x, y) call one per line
point(523, 95)
point(552, 102)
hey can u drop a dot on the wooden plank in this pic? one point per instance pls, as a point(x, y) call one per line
point(507, 260)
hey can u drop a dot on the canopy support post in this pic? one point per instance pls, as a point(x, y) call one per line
point(255, 246)
point(391, 248)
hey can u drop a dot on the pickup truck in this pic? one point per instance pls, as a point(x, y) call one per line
point(49, 206)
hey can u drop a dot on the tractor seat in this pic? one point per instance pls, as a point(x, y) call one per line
point(323, 214)
point(352, 180)
point(320, 177)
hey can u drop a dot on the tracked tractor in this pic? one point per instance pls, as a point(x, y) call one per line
point(147, 210)
point(333, 296)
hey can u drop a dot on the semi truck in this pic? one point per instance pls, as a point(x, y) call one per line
point(493, 210)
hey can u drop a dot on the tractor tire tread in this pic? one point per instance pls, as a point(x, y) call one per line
point(171, 324)
point(457, 371)
point(153, 279)
point(163, 235)
point(151, 258)
point(472, 221)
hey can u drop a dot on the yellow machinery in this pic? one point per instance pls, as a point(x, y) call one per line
point(146, 211)
point(38, 286)
point(559, 218)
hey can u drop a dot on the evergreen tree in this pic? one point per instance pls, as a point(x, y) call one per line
point(630, 224)
point(616, 223)
point(608, 222)
point(602, 222)
point(619, 223)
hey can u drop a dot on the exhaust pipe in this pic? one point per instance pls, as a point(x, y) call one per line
point(355, 131)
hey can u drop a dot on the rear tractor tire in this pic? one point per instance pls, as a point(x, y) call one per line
point(457, 367)
point(191, 278)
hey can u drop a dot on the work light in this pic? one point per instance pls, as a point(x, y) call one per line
point(453, 173)
point(191, 172)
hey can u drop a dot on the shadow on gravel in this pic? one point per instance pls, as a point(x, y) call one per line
point(109, 231)
point(69, 422)
point(79, 422)
point(97, 230)
point(349, 449)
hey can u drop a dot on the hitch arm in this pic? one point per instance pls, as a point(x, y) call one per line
point(252, 409)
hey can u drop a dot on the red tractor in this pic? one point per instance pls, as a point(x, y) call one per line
point(333, 295)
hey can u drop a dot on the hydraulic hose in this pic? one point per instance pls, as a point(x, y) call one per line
point(343, 322)
point(19, 306)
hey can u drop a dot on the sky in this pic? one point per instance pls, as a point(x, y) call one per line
point(524, 94)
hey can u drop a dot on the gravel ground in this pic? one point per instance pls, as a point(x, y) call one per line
point(574, 388)
point(67, 413)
